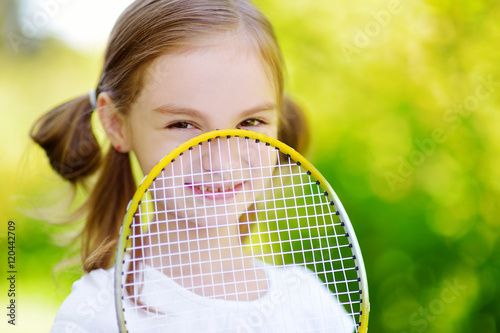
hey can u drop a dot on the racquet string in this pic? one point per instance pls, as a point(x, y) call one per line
point(185, 244)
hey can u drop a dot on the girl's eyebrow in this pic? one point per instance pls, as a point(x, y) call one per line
point(179, 110)
point(259, 108)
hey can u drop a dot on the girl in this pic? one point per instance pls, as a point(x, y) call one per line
point(173, 69)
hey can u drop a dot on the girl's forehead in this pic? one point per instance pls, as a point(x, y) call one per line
point(224, 47)
point(226, 70)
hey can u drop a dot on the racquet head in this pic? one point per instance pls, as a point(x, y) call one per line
point(234, 231)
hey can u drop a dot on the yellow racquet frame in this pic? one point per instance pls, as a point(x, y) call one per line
point(285, 149)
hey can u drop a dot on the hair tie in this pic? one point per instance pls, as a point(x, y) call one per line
point(92, 99)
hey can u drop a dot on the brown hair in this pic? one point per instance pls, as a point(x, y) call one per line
point(144, 31)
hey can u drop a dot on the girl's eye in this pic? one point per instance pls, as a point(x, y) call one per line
point(181, 125)
point(250, 123)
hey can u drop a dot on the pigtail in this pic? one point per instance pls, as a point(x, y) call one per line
point(65, 133)
point(293, 129)
point(106, 206)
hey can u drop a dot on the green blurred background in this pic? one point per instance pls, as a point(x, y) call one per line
point(403, 103)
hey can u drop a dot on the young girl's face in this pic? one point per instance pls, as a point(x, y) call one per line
point(223, 86)
point(220, 85)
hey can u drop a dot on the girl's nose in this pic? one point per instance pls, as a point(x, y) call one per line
point(222, 157)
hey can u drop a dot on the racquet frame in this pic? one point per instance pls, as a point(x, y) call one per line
point(285, 149)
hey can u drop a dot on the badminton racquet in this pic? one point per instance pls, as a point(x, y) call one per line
point(234, 231)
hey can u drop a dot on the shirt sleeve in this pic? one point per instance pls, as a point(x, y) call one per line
point(90, 307)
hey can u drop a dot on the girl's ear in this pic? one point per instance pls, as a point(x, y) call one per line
point(113, 122)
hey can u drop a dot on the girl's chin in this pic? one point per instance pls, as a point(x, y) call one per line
point(209, 223)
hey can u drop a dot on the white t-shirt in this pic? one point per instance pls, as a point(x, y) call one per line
point(295, 301)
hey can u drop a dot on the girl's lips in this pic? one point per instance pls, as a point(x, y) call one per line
point(216, 191)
